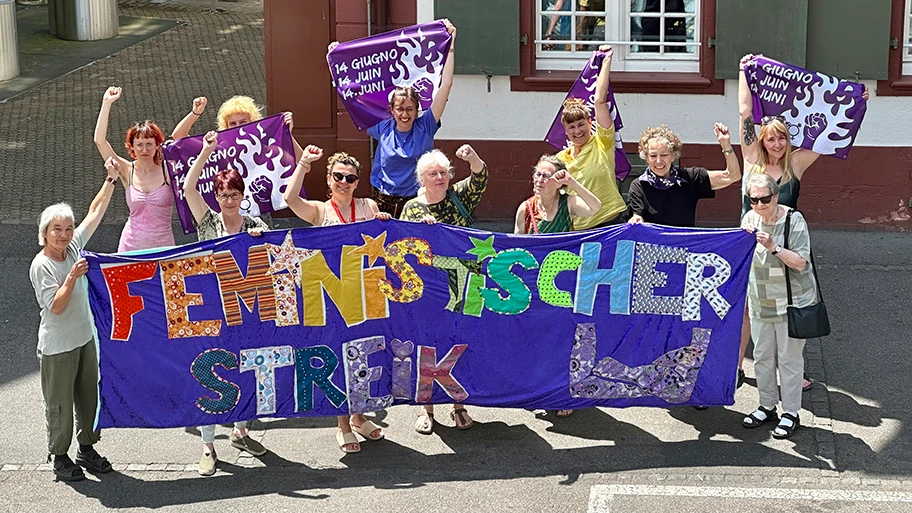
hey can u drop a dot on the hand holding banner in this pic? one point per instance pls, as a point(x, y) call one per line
point(584, 89)
point(822, 113)
point(262, 152)
point(365, 71)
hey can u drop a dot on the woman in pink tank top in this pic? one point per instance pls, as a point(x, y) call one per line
point(147, 190)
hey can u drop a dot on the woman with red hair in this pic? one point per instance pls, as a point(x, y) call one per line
point(145, 182)
point(229, 191)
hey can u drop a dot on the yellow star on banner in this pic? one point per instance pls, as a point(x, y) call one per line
point(288, 258)
point(372, 247)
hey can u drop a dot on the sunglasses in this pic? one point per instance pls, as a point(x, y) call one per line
point(765, 120)
point(340, 177)
point(764, 199)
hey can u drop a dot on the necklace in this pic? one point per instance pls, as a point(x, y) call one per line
point(339, 214)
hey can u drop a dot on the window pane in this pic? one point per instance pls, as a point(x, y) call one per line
point(666, 29)
point(590, 28)
point(556, 27)
point(687, 6)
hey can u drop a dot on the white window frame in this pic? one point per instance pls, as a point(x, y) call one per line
point(617, 34)
point(907, 42)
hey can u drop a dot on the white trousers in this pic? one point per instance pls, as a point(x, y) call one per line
point(207, 433)
point(775, 351)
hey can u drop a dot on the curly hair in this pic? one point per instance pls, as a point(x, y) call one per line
point(344, 159)
point(574, 110)
point(660, 134)
point(238, 105)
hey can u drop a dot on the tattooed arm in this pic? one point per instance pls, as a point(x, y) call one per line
point(745, 108)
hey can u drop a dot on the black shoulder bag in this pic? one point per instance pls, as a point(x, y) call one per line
point(809, 321)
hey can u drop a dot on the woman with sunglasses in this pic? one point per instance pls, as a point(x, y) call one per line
point(551, 209)
point(774, 351)
point(405, 136)
point(146, 186)
point(229, 191)
point(667, 193)
point(342, 174)
point(769, 153)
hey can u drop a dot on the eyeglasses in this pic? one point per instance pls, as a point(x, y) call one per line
point(765, 120)
point(234, 196)
point(341, 177)
point(542, 175)
point(763, 199)
point(404, 110)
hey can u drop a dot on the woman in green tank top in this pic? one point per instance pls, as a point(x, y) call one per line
point(550, 210)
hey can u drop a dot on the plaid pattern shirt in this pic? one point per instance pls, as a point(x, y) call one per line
point(767, 297)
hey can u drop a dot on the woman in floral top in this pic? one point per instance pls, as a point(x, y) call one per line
point(438, 201)
point(229, 191)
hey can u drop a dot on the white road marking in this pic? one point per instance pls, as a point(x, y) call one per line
point(601, 496)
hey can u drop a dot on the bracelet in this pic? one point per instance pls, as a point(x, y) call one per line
point(111, 180)
point(728, 151)
point(195, 114)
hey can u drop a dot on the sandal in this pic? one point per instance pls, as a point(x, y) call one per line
point(563, 414)
point(806, 384)
point(741, 378)
point(93, 462)
point(759, 417)
point(461, 417)
point(784, 430)
point(367, 429)
point(346, 440)
point(66, 470)
point(424, 424)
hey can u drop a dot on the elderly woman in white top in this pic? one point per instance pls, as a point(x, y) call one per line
point(774, 351)
point(67, 357)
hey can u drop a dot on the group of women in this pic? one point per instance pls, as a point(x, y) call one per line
point(573, 190)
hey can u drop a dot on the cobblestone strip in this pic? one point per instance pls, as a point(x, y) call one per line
point(820, 406)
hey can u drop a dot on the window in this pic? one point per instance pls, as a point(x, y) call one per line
point(660, 46)
point(899, 76)
point(567, 31)
point(907, 45)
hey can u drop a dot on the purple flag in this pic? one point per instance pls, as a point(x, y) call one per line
point(584, 89)
point(262, 152)
point(823, 113)
point(365, 71)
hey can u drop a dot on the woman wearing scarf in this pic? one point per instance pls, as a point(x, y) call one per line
point(667, 193)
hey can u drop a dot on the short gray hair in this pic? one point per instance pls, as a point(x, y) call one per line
point(57, 210)
point(433, 157)
point(762, 180)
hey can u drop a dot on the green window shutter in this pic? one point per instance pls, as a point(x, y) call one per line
point(487, 35)
point(775, 28)
point(846, 37)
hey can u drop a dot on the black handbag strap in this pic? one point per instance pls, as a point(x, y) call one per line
point(788, 281)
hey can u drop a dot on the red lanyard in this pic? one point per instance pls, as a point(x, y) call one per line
point(339, 214)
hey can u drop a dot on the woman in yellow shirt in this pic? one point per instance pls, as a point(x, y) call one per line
point(590, 157)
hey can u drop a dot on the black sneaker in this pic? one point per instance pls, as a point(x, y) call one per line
point(66, 470)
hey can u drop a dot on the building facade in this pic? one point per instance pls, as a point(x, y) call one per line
point(676, 62)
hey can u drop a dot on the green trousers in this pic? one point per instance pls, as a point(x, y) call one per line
point(69, 381)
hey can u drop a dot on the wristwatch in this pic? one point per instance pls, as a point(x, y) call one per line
point(776, 250)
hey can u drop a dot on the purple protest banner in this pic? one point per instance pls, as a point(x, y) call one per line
point(584, 89)
point(365, 71)
point(262, 152)
point(822, 113)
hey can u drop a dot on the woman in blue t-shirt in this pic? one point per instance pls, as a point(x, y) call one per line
point(405, 137)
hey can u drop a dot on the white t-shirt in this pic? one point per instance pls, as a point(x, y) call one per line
point(73, 327)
